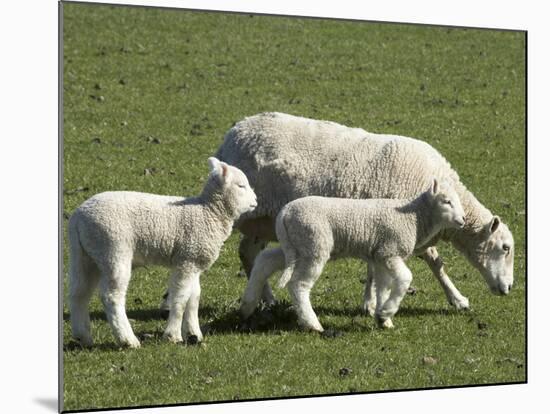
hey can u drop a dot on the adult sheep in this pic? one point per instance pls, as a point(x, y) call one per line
point(286, 157)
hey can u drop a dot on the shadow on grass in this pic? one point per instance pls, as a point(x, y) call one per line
point(274, 319)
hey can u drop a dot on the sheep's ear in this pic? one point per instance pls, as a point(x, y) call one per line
point(435, 186)
point(493, 226)
point(225, 170)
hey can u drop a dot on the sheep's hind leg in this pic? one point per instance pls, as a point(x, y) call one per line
point(191, 326)
point(267, 263)
point(302, 280)
point(83, 281)
point(115, 277)
point(369, 301)
point(249, 248)
point(454, 297)
point(395, 273)
point(182, 285)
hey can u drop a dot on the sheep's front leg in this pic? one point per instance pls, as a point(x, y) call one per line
point(249, 248)
point(395, 274)
point(302, 280)
point(454, 297)
point(191, 324)
point(369, 302)
point(182, 282)
point(115, 276)
point(267, 263)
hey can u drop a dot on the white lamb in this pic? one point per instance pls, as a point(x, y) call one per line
point(384, 232)
point(286, 157)
point(112, 232)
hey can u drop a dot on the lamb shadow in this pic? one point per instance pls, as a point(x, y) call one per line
point(276, 318)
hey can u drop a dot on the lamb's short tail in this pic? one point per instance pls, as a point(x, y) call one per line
point(290, 252)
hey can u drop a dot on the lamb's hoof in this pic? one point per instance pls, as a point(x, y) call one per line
point(164, 313)
point(193, 340)
point(132, 343)
point(85, 342)
point(369, 308)
point(269, 302)
point(383, 323)
point(172, 337)
point(312, 327)
point(460, 303)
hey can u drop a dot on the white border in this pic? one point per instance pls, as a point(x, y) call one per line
point(28, 167)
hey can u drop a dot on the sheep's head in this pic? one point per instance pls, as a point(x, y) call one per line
point(446, 205)
point(232, 187)
point(491, 251)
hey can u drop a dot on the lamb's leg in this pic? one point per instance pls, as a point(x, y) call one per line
point(115, 276)
point(191, 324)
point(454, 297)
point(303, 278)
point(400, 277)
point(182, 283)
point(267, 263)
point(84, 276)
point(249, 248)
point(369, 302)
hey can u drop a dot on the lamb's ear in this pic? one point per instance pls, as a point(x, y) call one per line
point(225, 170)
point(435, 186)
point(493, 226)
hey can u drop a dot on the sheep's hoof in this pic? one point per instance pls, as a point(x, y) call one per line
point(131, 343)
point(312, 327)
point(460, 303)
point(193, 340)
point(85, 342)
point(383, 323)
point(369, 308)
point(172, 338)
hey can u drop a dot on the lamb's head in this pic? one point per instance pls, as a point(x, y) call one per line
point(446, 206)
point(228, 185)
point(491, 251)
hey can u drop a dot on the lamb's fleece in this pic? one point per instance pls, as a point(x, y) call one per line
point(287, 157)
point(319, 228)
point(114, 231)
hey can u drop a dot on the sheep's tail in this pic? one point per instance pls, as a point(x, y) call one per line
point(290, 252)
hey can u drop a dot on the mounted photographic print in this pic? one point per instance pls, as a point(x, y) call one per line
point(261, 206)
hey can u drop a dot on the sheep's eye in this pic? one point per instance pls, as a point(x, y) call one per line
point(448, 202)
point(241, 185)
point(506, 248)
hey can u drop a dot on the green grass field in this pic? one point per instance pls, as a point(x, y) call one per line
point(148, 96)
